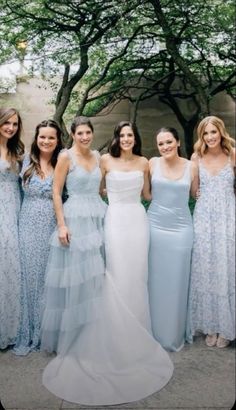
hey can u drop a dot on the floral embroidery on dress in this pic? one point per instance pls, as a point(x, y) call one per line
point(36, 223)
point(9, 254)
point(212, 291)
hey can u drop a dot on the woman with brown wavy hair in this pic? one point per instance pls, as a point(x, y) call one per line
point(212, 290)
point(36, 224)
point(11, 151)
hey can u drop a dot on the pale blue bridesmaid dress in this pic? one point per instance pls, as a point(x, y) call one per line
point(171, 241)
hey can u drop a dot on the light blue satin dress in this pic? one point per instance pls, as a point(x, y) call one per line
point(170, 250)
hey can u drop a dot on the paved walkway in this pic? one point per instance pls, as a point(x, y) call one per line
point(204, 378)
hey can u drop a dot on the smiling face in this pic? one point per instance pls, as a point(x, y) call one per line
point(47, 139)
point(83, 136)
point(9, 128)
point(127, 139)
point(167, 145)
point(211, 136)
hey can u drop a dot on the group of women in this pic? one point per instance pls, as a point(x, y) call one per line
point(111, 288)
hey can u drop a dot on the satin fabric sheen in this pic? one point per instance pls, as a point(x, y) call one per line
point(171, 238)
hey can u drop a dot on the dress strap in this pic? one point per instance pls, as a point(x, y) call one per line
point(187, 171)
point(156, 168)
point(70, 156)
point(97, 157)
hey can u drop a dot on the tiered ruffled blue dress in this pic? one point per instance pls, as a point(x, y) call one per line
point(75, 273)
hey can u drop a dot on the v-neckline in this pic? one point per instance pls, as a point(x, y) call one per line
point(85, 170)
point(218, 173)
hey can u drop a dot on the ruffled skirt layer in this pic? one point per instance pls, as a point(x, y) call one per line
point(75, 275)
point(105, 355)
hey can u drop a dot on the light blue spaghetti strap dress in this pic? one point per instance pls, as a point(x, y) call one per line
point(171, 239)
point(212, 286)
point(9, 254)
point(75, 273)
point(36, 223)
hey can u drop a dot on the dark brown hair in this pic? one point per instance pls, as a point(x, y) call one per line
point(34, 165)
point(172, 131)
point(114, 147)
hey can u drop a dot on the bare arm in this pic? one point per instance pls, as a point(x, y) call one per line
point(146, 192)
point(102, 188)
point(60, 174)
point(195, 180)
point(233, 157)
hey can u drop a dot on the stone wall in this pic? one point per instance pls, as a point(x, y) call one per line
point(34, 101)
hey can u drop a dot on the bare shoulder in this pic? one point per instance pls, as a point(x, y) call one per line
point(194, 164)
point(63, 164)
point(194, 158)
point(144, 161)
point(105, 160)
point(194, 167)
point(152, 160)
point(233, 157)
point(105, 157)
point(64, 156)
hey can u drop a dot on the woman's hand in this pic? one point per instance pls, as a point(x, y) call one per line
point(64, 235)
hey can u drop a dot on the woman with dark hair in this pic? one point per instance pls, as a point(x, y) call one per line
point(115, 149)
point(212, 286)
point(98, 319)
point(126, 177)
point(36, 224)
point(172, 179)
point(11, 152)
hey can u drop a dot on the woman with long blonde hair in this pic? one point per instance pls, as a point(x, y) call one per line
point(212, 289)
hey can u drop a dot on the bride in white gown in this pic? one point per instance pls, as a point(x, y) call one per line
point(115, 359)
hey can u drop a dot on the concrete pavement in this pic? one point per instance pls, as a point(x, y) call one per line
point(204, 379)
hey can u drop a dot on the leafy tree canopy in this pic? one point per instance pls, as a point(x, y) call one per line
point(106, 50)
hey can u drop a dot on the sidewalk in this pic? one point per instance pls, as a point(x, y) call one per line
point(204, 378)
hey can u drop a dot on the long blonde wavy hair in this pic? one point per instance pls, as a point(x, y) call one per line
point(227, 143)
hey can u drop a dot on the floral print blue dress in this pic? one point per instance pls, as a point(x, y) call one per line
point(9, 254)
point(36, 223)
point(212, 288)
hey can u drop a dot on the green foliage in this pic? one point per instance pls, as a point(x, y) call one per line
point(107, 50)
point(191, 204)
point(145, 203)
